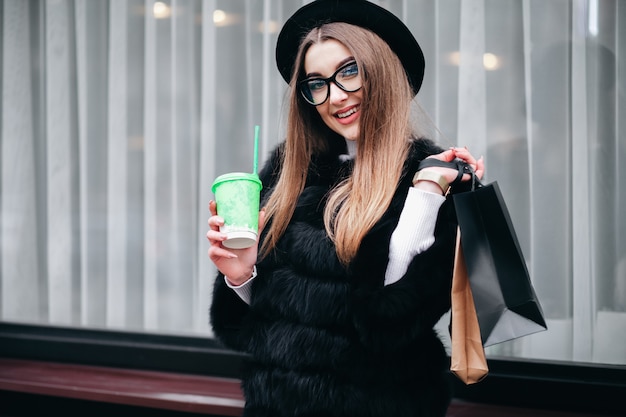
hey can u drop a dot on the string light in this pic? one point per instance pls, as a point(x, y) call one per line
point(161, 10)
point(491, 62)
point(219, 17)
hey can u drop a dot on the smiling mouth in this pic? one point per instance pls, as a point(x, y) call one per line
point(347, 113)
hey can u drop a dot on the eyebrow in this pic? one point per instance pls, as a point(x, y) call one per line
point(339, 65)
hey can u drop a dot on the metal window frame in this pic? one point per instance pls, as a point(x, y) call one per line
point(548, 385)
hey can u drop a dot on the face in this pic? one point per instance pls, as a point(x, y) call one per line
point(342, 110)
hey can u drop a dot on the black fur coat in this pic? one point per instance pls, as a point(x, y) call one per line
point(324, 340)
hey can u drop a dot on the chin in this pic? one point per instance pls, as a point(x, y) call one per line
point(351, 134)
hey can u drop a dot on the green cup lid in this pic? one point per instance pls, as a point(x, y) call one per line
point(236, 176)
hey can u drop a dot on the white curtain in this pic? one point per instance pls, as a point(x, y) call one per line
point(117, 115)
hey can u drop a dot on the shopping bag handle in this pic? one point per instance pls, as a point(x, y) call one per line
point(461, 166)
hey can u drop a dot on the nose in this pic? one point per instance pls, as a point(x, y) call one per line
point(337, 95)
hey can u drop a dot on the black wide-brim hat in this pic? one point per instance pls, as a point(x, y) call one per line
point(356, 12)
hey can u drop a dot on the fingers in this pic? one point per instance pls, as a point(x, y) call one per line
point(480, 168)
point(217, 253)
point(446, 156)
point(261, 221)
point(215, 222)
point(213, 207)
point(465, 155)
point(214, 236)
point(478, 165)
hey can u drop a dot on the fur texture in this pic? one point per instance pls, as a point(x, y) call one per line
point(325, 340)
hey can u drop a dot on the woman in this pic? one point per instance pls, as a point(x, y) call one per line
point(336, 307)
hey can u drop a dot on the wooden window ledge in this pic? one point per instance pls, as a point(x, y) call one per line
point(175, 392)
point(162, 390)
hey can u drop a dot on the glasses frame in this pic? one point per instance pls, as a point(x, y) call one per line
point(327, 81)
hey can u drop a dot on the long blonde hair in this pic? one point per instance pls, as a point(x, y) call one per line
point(356, 204)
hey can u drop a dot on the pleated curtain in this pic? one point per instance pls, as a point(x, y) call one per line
point(116, 116)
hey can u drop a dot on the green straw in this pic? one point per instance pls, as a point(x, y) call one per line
point(256, 149)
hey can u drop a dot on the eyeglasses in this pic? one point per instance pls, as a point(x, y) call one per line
point(317, 90)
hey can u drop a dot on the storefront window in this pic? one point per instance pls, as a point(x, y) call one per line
point(117, 115)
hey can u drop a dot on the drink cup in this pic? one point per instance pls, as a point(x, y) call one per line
point(237, 197)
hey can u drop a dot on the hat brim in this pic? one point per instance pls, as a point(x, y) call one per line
point(357, 12)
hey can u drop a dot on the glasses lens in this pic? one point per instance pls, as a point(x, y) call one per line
point(348, 78)
point(315, 90)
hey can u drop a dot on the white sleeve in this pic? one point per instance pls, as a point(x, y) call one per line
point(415, 231)
point(244, 291)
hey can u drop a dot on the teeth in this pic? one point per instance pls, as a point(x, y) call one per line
point(346, 114)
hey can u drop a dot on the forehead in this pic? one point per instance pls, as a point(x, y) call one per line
point(325, 57)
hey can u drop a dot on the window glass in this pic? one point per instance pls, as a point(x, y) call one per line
point(117, 115)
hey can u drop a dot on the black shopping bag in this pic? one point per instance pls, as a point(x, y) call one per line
point(506, 303)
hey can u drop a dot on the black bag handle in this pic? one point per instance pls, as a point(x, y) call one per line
point(461, 166)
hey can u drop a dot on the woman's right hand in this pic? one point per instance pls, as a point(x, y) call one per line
point(236, 264)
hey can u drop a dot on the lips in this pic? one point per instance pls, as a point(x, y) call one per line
point(347, 115)
point(343, 115)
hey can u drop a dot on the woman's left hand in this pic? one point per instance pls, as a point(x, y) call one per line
point(478, 165)
point(450, 174)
